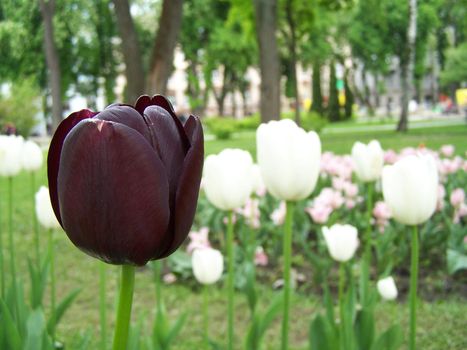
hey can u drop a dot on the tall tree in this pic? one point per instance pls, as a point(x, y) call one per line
point(407, 65)
point(163, 50)
point(134, 69)
point(266, 25)
point(53, 62)
point(333, 104)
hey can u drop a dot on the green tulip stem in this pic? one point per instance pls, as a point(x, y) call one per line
point(125, 302)
point(12, 244)
point(413, 287)
point(52, 275)
point(2, 261)
point(230, 282)
point(365, 282)
point(206, 315)
point(342, 338)
point(34, 218)
point(157, 281)
point(287, 251)
point(252, 231)
point(103, 304)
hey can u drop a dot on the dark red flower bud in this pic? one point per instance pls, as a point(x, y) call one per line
point(124, 182)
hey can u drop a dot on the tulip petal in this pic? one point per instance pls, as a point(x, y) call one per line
point(113, 193)
point(189, 183)
point(55, 150)
point(167, 141)
point(145, 101)
point(125, 115)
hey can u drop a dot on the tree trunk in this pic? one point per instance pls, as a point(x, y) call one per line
point(293, 58)
point(317, 97)
point(164, 46)
point(366, 94)
point(407, 66)
point(266, 24)
point(234, 104)
point(53, 62)
point(134, 70)
point(349, 98)
point(333, 105)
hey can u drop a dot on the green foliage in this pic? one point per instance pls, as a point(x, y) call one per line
point(249, 123)
point(221, 128)
point(21, 106)
point(455, 70)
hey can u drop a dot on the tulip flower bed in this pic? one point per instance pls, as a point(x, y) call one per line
point(347, 252)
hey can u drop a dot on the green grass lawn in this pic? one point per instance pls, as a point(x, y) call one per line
point(442, 323)
point(341, 143)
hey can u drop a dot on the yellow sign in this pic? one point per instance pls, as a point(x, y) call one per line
point(461, 97)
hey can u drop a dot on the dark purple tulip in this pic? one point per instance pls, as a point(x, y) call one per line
point(124, 182)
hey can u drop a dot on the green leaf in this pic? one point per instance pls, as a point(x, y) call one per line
point(38, 279)
point(456, 261)
point(322, 335)
point(391, 339)
point(62, 307)
point(365, 328)
point(175, 329)
point(35, 330)
point(13, 338)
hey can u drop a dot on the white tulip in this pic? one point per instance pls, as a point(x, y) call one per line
point(44, 212)
point(387, 288)
point(10, 155)
point(208, 265)
point(257, 179)
point(342, 241)
point(368, 160)
point(228, 178)
point(410, 188)
point(289, 159)
point(31, 156)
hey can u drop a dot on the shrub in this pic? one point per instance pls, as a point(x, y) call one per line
point(222, 128)
point(20, 106)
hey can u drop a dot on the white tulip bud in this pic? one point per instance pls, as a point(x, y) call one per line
point(410, 188)
point(387, 288)
point(31, 156)
point(10, 155)
point(368, 160)
point(289, 159)
point(208, 265)
point(227, 178)
point(45, 213)
point(342, 241)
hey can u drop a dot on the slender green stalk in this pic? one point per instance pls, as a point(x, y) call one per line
point(103, 304)
point(413, 288)
point(206, 315)
point(287, 251)
point(252, 231)
point(12, 244)
point(157, 281)
point(343, 335)
point(34, 218)
point(52, 275)
point(366, 263)
point(2, 261)
point(230, 282)
point(125, 302)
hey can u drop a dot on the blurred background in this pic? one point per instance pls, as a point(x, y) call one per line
point(316, 61)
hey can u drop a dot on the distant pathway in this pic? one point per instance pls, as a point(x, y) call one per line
point(377, 127)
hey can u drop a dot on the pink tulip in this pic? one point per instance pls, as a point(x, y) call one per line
point(278, 215)
point(198, 239)
point(261, 258)
point(441, 195)
point(390, 156)
point(319, 213)
point(457, 197)
point(447, 150)
point(169, 278)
